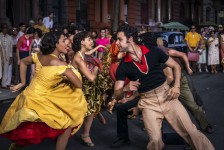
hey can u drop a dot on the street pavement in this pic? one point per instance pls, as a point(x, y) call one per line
point(210, 87)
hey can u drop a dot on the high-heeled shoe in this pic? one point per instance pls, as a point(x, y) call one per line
point(89, 144)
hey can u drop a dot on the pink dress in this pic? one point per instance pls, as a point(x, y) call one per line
point(102, 41)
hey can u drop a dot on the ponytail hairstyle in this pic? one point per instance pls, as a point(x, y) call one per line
point(49, 42)
point(78, 38)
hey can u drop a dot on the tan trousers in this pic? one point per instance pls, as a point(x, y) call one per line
point(155, 107)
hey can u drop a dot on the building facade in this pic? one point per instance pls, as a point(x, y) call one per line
point(94, 14)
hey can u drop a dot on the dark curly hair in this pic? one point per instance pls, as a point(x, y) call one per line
point(130, 31)
point(76, 46)
point(30, 30)
point(39, 32)
point(49, 42)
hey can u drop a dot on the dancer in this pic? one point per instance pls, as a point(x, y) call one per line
point(89, 67)
point(186, 96)
point(50, 107)
point(182, 55)
point(142, 65)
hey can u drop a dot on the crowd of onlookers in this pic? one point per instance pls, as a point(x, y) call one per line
point(17, 43)
point(205, 49)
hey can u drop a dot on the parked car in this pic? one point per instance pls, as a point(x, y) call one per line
point(173, 40)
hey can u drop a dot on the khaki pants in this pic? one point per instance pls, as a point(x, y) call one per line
point(187, 99)
point(155, 107)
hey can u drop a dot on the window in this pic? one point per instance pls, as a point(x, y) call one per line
point(182, 12)
point(176, 39)
point(208, 11)
point(126, 10)
point(81, 12)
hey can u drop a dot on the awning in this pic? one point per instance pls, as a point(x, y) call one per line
point(175, 25)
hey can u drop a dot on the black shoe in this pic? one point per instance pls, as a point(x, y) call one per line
point(209, 129)
point(120, 142)
point(187, 147)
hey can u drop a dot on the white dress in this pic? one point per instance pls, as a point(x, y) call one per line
point(213, 51)
point(202, 56)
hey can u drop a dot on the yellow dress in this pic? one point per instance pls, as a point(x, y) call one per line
point(49, 100)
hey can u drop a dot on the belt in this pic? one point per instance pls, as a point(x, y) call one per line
point(156, 90)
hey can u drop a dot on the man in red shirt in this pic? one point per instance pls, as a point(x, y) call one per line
point(142, 65)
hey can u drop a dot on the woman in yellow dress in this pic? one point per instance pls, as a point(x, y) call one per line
point(53, 105)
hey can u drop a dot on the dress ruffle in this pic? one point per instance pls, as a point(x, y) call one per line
point(32, 133)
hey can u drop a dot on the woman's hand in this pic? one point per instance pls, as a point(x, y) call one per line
point(15, 88)
point(94, 50)
point(101, 46)
point(190, 49)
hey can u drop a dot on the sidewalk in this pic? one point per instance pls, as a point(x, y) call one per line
point(6, 94)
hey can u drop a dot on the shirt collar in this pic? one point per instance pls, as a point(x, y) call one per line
point(144, 49)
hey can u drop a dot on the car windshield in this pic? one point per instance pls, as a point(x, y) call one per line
point(176, 39)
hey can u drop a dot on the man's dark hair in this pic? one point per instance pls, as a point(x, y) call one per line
point(95, 33)
point(130, 31)
point(51, 12)
point(30, 30)
point(39, 32)
point(102, 29)
point(21, 24)
point(40, 19)
point(4, 25)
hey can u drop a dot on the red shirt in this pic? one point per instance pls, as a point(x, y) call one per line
point(24, 44)
point(149, 72)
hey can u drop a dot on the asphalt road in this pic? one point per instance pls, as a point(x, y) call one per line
point(210, 87)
